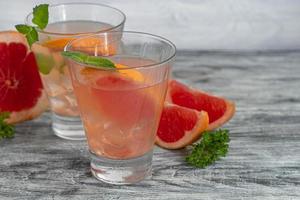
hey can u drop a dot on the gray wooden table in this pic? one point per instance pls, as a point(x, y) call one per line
point(264, 156)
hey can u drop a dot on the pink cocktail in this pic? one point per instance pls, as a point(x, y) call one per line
point(120, 108)
point(66, 22)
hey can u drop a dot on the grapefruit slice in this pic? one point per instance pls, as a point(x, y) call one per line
point(180, 126)
point(220, 110)
point(21, 89)
point(124, 71)
point(57, 44)
point(98, 46)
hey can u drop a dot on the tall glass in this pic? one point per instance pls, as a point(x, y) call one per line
point(67, 21)
point(120, 108)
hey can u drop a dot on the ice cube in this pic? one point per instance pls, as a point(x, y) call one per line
point(58, 60)
point(66, 79)
point(114, 136)
point(54, 89)
point(53, 76)
point(71, 99)
point(58, 104)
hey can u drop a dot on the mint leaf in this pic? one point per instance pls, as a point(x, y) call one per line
point(99, 62)
point(213, 146)
point(41, 15)
point(29, 32)
point(6, 130)
point(76, 56)
point(89, 60)
point(40, 18)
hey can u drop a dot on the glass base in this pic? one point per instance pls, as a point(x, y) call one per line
point(69, 128)
point(121, 172)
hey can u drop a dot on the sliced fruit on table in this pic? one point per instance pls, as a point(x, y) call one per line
point(180, 126)
point(21, 88)
point(220, 110)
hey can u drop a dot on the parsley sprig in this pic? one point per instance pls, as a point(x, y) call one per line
point(213, 146)
point(40, 18)
point(6, 130)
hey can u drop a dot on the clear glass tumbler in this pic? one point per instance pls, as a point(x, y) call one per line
point(66, 22)
point(121, 107)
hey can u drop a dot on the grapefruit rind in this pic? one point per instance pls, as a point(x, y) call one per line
point(230, 111)
point(57, 44)
point(13, 36)
point(29, 114)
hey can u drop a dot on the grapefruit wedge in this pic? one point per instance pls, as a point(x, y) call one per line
point(21, 89)
point(220, 110)
point(180, 126)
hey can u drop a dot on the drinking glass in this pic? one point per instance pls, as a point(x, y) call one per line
point(67, 21)
point(121, 107)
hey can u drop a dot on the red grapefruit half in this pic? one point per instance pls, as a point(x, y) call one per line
point(21, 89)
point(220, 110)
point(180, 126)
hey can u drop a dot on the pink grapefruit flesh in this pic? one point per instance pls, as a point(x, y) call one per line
point(220, 110)
point(180, 126)
point(21, 88)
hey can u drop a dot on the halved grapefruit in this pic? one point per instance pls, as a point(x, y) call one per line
point(220, 110)
point(180, 126)
point(21, 89)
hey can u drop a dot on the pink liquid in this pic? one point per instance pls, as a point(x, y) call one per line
point(57, 82)
point(120, 114)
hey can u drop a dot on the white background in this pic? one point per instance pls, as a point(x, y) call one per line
point(197, 24)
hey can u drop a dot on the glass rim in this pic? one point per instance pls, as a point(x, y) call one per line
point(28, 21)
point(170, 57)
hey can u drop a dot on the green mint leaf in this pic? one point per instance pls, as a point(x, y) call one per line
point(29, 32)
point(24, 29)
point(100, 62)
point(41, 16)
point(76, 56)
point(89, 60)
point(213, 146)
point(6, 130)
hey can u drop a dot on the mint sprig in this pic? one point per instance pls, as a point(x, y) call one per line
point(213, 146)
point(40, 18)
point(89, 60)
point(29, 32)
point(6, 130)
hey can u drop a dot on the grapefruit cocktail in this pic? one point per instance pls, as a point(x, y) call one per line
point(121, 107)
point(64, 25)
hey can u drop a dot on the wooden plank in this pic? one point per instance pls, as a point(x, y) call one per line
point(263, 161)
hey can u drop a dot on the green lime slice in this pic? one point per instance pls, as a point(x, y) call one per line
point(45, 63)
